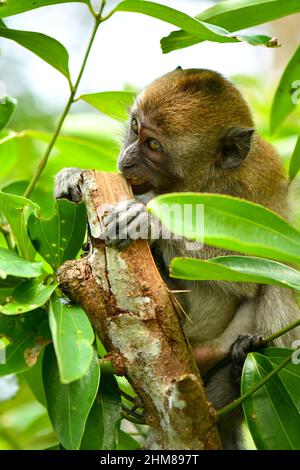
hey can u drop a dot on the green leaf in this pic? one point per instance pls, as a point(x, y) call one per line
point(27, 296)
point(73, 337)
point(7, 109)
point(290, 374)
point(20, 152)
point(126, 442)
point(233, 15)
point(295, 161)
point(113, 103)
point(59, 238)
point(75, 150)
point(230, 223)
point(14, 7)
point(45, 47)
point(69, 405)
point(287, 95)
point(199, 29)
point(28, 335)
point(175, 17)
point(103, 424)
point(13, 265)
point(236, 269)
point(7, 286)
point(271, 414)
point(16, 210)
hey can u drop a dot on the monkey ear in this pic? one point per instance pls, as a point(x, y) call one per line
point(235, 145)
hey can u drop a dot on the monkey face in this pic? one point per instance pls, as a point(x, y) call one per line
point(186, 128)
point(144, 160)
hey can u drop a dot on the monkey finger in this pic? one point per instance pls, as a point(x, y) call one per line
point(122, 211)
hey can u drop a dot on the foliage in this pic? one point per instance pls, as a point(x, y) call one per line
point(37, 236)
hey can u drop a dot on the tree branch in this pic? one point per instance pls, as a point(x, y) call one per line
point(132, 313)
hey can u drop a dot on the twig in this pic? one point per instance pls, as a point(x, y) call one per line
point(43, 162)
point(6, 231)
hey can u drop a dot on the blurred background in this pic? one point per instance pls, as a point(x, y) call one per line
point(126, 55)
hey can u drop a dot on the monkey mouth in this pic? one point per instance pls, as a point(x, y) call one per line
point(139, 186)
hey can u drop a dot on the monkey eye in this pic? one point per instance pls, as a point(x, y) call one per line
point(154, 145)
point(135, 126)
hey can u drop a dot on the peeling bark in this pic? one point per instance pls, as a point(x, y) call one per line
point(132, 312)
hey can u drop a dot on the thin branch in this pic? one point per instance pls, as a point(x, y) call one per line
point(133, 418)
point(281, 332)
point(6, 231)
point(224, 362)
point(234, 404)
point(43, 162)
point(107, 366)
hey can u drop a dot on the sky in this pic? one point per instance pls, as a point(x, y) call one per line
point(126, 51)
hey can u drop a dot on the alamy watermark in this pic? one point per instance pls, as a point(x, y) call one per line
point(296, 354)
point(131, 221)
point(296, 92)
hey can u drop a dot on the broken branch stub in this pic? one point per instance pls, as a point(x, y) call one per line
point(132, 313)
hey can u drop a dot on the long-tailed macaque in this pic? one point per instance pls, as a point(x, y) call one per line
point(191, 130)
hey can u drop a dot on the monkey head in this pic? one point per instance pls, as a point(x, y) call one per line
point(184, 127)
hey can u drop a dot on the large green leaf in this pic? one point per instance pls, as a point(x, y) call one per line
point(27, 296)
point(77, 151)
point(103, 424)
point(8, 155)
point(13, 265)
point(271, 414)
point(7, 109)
point(14, 7)
point(287, 95)
point(16, 210)
point(290, 374)
point(45, 47)
point(127, 442)
point(113, 103)
point(229, 223)
point(59, 238)
point(199, 29)
point(233, 15)
point(236, 269)
point(69, 404)
point(295, 161)
point(73, 337)
point(28, 334)
point(20, 152)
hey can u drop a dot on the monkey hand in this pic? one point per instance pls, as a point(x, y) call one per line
point(125, 222)
point(67, 184)
point(238, 353)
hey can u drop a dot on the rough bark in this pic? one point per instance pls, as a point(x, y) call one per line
point(133, 314)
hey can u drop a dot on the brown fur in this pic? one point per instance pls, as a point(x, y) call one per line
point(198, 105)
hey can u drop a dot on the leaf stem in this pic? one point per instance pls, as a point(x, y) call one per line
point(234, 404)
point(6, 231)
point(44, 160)
point(281, 332)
